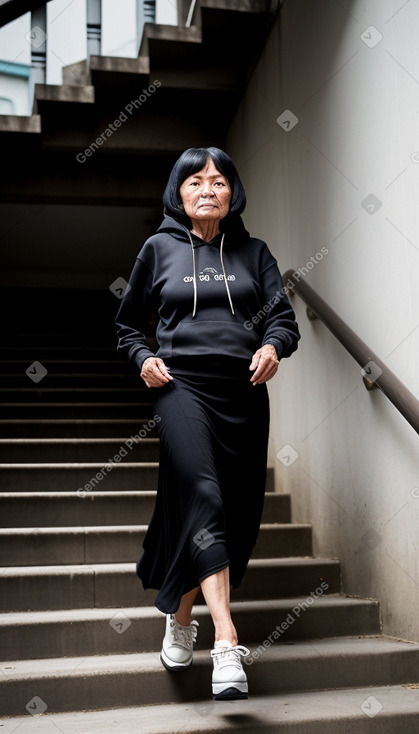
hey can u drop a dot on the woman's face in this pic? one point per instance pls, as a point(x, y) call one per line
point(206, 194)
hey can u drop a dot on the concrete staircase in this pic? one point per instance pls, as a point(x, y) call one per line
point(80, 639)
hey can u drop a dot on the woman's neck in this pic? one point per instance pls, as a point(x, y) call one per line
point(205, 230)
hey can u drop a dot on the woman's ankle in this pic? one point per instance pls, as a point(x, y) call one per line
point(183, 619)
point(184, 613)
point(227, 634)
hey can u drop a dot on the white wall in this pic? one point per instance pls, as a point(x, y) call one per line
point(166, 12)
point(14, 88)
point(66, 30)
point(119, 25)
point(119, 28)
point(357, 460)
point(14, 45)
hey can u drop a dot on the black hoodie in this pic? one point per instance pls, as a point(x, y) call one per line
point(223, 298)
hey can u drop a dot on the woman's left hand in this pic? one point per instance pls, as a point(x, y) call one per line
point(265, 363)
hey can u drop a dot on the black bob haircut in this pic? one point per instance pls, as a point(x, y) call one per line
point(191, 161)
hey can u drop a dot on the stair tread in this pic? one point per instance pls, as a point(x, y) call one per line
point(70, 389)
point(97, 568)
point(84, 405)
point(70, 441)
point(73, 495)
point(77, 464)
point(303, 650)
point(72, 421)
point(101, 529)
point(24, 362)
point(73, 530)
point(151, 612)
point(290, 712)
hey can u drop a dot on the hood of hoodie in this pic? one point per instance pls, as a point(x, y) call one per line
point(235, 233)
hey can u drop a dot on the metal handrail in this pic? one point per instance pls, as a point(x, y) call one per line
point(375, 372)
point(190, 14)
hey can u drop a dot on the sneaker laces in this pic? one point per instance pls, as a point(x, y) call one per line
point(184, 635)
point(229, 656)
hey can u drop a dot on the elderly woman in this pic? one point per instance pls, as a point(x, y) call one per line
point(206, 279)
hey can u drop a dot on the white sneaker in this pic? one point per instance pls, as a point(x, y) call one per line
point(177, 649)
point(229, 681)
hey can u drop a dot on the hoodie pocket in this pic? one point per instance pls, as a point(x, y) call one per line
point(214, 337)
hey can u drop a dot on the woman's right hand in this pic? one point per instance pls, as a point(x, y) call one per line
point(154, 372)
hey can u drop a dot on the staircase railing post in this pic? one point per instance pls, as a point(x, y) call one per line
point(190, 14)
point(37, 38)
point(94, 27)
point(146, 13)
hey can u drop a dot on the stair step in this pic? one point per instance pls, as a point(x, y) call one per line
point(121, 72)
point(181, 62)
point(64, 93)
point(66, 381)
point(82, 477)
point(119, 544)
point(82, 586)
point(66, 368)
point(41, 349)
point(73, 683)
point(73, 427)
point(65, 509)
point(63, 450)
point(172, 38)
point(133, 629)
point(387, 709)
point(183, 59)
point(76, 410)
point(39, 394)
point(87, 476)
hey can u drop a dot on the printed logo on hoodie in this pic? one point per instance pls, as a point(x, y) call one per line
point(208, 274)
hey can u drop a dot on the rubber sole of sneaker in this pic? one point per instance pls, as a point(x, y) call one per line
point(173, 667)
point(229, 694)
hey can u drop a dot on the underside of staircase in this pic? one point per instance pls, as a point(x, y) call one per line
point(79, 637)
point(201, 73)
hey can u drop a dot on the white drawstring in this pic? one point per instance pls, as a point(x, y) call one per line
point(225, 276)
point(195, 288)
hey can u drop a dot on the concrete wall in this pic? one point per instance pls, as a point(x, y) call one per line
point(344, 175)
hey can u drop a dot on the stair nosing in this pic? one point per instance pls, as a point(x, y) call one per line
point(125, 567)
point(93, 529)
point(333, 647)
point(114, 494)
point(302, 709)
point(200, 610)
point(79, 464)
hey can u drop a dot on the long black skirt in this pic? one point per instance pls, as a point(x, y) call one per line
point(213, 432)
